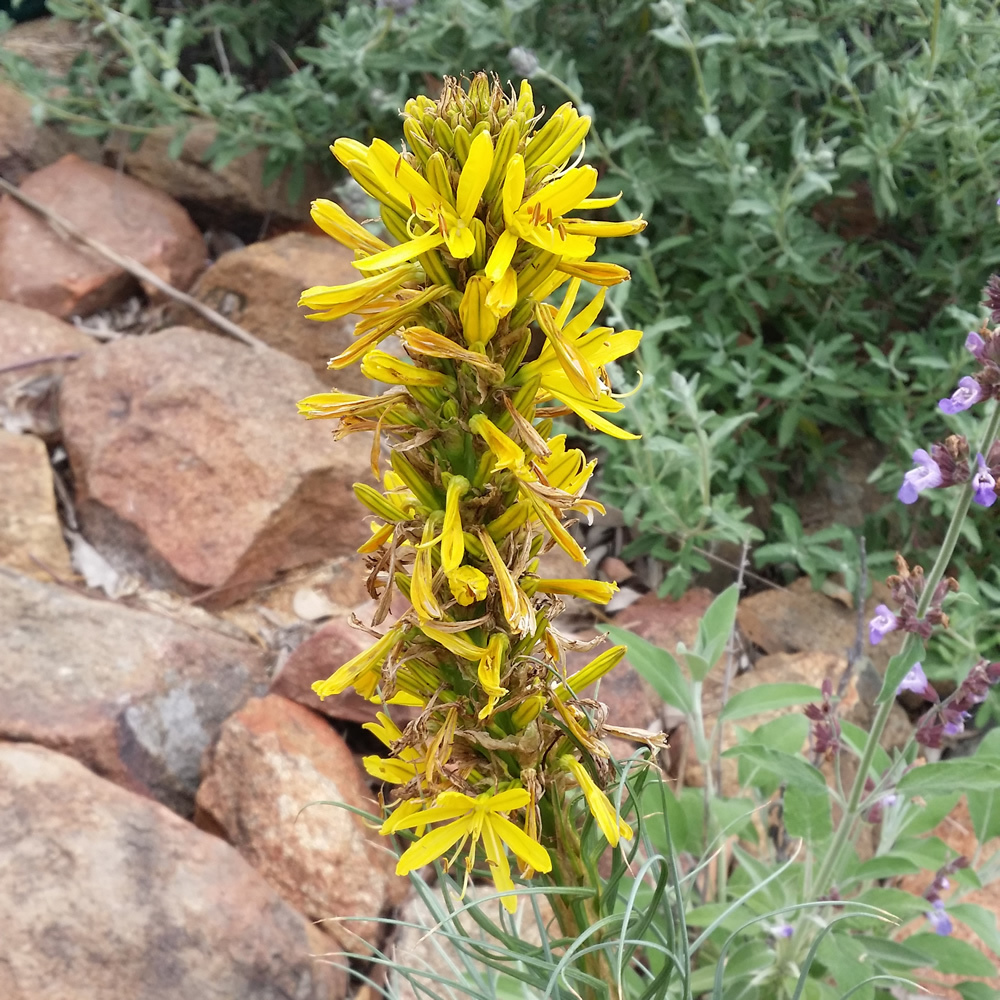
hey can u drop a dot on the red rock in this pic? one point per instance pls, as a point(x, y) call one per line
point(272, 785)
point(257, 287)
point(104, 894)
point(41, 269)
point(137, 697)
point(31, 539)
point(30, 335)
point(194, 469)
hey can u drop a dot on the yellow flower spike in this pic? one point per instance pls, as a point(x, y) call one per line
point(368, 662)
point(508, 454)
point(490, 668)
point(611, 824)
point(436, 345)
point(452, 542)
point(422, 578)
point(596, 591)
point(381, 533)
point(468, 585)
point(335, 222)
point(478, 321)
point(600, 665)
point(382, 367)
point(467, 821)
point(517, 608)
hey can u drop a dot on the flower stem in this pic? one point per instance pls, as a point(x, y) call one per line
point(831, 863)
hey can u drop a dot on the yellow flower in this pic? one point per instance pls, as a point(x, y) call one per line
point(335, 222)
point(593, 671)
point(455, 642)
point(364, 671)
point(335, 301)
point(382, 367)
point(590, 590)
point(517, 608)
point(467, 821)
point(422, 578)
point(452, 542)
point(508, 454)
point(448, 214)
point(468, 585)
point(611, 824)
point(490, 669)
point(381, 533)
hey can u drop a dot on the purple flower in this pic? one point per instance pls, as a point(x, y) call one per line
point(940, 920)
point(783, 931)
point(974, 344)
point(983, 483)
point(925, 476)
point(915, 681)
point(968, 392)
point(881, 625)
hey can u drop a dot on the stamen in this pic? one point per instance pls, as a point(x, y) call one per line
point(562, 231)
point(536, 214)
point(413, 204)
point(548, 217)
point(399, 164)
point(442, 225)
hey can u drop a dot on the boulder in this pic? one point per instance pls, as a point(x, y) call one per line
point(194, 470)
point(40, 268)
point(105, 895)
point(135, 696)
point(31, 539)
point(30, 336)
point(235, 189)
point(276, 784)
point(258, 287)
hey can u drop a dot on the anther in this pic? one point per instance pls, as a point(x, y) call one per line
point(399, 164)
point(536, 214)
point(548, 217)
point(562, 231)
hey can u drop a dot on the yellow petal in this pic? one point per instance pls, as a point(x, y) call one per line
point(503, 295)
point(590, 590)
point(508, 454)
point(513, 187)
point(335, 222)
point(592, 672)
point(592, 227)
point(478, 322)
point(461, 242)
point(501, 256)
point(468, 585)
point(579, 371)
point(432, 845)
point(452, 542)
point(402, 253)
point(474, 176)
point(611, 825)
point(562, 195)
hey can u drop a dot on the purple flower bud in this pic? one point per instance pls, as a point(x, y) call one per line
point(881, 625)
point(968, 392)
point(783, 931)
point(953, 728)
point(915, 681)
point(939, 920)
point(984, 484)
point(925, 476)
point(974, 344)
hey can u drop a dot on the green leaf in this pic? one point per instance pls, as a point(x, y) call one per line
point(976, 991)
point(807, 815)
point(980, 920)
point(888, 952)
point(887, 866)
point(658, 667)
point(952, 956)
point(767, 698)
point(944, 776)
point(716, 627)
point(785, 767)
point(984, 805)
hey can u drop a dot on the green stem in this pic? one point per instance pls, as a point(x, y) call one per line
point(824, 878)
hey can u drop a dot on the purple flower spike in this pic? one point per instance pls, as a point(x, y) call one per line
point(881, 625)
point(984, 484)
point(915, 681)
point(925, 476)
point(974, 344)
point(968, 392)
point(939, 920)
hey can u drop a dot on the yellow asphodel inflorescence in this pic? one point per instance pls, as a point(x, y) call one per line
point(482, 211)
